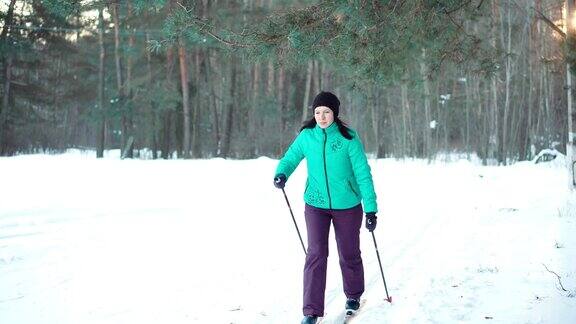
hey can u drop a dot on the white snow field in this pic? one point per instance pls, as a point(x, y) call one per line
point(212, 241)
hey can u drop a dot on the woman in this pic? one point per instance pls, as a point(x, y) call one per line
point(339, 179)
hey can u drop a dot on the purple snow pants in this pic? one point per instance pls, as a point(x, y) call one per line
point(347, 225)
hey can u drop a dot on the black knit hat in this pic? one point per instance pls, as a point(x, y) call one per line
point(327, 99)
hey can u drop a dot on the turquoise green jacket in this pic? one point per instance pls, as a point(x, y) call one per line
point(338, 172)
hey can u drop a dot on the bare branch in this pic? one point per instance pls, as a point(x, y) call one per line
point(560, 282)
point(550, 23)
point(459, 8)
point(480, 4)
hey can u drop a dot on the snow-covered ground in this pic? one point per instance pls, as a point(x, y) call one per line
point(211, 241)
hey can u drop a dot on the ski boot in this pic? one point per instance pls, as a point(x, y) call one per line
point(309, 319)
point(352, 306)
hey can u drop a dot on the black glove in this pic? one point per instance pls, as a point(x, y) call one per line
point(371, 221)
point(280, 181)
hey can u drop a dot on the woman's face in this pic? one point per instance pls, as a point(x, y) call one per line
point(324, 116)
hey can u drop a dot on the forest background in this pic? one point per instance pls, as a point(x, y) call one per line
point(235, 79)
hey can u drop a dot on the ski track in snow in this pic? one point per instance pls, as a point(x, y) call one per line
point(460, 243)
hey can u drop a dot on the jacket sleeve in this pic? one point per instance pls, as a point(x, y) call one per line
point(362, 174)
point(291, 158)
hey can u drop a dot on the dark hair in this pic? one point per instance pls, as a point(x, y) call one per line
point(342, 127)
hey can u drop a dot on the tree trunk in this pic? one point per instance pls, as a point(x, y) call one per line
point(253, 116)
point(446, 125)
point(165, 115)
point(270, 81)
point(121, 100)
point(543, 102)
point(71, 135)
point(396, 124)
point(480, 121)
point(519, 100)
point(533, 74)
point(166, 111)
point(166, 131)
point(570, 149)
point(210, 67)
point(228, 113)
point(7, 72)
point(375, 114)
point(315, 79)
point(318, 77)
point(101, 125)
point(326, 78)
point(505, 122)
point(405, 111)
point(5, 104)
point(129, 94)
point(383, 117)
point(185, 99)
point(309, 71)
point(152, 132)
point(56, 88)
point(427, 116)
point(493, 118)
point(289, 85)
point(196, 107)
point(7, 21)
point(468, 94)
point(281, 115)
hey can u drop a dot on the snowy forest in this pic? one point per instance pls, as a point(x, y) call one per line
point(200, 79)
point(150, 171)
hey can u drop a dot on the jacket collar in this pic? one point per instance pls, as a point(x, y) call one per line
point(333, 128)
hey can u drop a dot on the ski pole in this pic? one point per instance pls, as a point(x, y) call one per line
point(294, 220)
point(389, 299)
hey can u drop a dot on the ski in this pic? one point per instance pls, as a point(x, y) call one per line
point(349, 314)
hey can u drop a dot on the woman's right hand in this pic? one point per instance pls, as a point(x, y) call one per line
point(280, 181)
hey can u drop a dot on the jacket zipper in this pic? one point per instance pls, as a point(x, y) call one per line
point(326, 171)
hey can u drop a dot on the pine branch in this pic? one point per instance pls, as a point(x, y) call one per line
point(204, 27)
point(361, 41)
